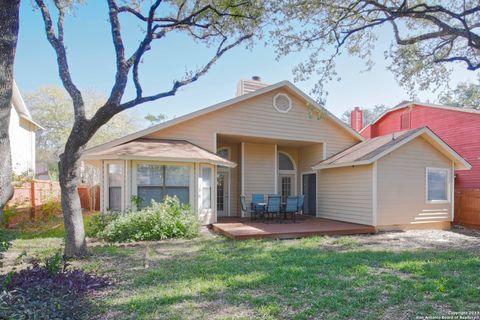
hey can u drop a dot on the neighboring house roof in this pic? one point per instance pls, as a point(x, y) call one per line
point(405, 104)
point(159, 149)
point(369, 151)
point(224, 104)
point(20, 106)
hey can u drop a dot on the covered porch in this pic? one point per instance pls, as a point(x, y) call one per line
point(265, 166)
point(242, 228)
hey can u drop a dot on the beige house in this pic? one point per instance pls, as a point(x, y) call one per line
point(22, 135)
point(274, 139)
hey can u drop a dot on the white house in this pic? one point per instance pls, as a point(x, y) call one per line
point(22, 135)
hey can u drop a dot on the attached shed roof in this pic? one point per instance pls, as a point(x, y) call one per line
point(368, 151)
point(160, 150)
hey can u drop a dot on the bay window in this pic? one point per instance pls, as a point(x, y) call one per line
point(155, 181)
point(438, 185)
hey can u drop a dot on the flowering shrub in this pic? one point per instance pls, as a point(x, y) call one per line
point(168, 219)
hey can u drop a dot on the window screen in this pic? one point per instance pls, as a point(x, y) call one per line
point(206, 188)
point(437, 184)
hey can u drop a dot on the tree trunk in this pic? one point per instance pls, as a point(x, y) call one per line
point(75, 244)
point(9, 12)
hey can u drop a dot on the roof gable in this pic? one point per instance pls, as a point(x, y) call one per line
point(284, 84)
point(371, 150)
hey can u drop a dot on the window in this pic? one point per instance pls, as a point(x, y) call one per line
point(282, 103)
point(223, 153)
point(206, 188)
point(286, 189)
point(154, 182)
point(438, 185)
point(115, 182)
point(284, 162)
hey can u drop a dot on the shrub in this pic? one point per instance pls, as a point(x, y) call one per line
point(50, 208)
point(168, 219)
point(43, 292)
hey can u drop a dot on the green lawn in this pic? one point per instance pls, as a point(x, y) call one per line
point(323, 278)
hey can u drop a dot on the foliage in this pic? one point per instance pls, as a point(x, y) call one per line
point(99, 222)
point(19, 180)
point(47, 292)
point(465, 95)
point(168, 219)
point(52, 107)
point(9, 212)
point(155, 119)
point(427, 37)
point(54, 263)
point(369, 114)
point(51, 207)
point(136, 201)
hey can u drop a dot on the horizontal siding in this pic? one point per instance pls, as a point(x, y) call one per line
point(259, 169)
point(401, 185)
point(345, 194)
point(460, 130)
point(258, 117)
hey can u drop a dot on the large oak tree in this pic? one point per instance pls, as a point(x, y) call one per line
point(219, 24)
point(427, 37)
point(9, 23)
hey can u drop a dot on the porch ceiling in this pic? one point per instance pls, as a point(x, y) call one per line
point(229, 138)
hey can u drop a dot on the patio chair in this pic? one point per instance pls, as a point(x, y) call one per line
point(245, 208)
point(291, 207)
point(273, 205)
point(301, 199)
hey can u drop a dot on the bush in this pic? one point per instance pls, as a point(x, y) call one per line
point(47, 292)
point(50, 208)
point(168, 219)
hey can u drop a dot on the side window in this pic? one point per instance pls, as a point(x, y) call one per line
point(206, 188)
point(438, 185)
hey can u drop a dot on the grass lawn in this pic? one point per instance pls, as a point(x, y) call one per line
point(323, 278)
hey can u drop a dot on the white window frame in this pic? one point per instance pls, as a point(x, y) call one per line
point(449, 185)
point(287, 172)
point(106, 189)
point(191, 187)
point(213, 203)
point(290, 104)
point(223, 170)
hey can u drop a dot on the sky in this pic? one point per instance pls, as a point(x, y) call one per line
point(92, 63)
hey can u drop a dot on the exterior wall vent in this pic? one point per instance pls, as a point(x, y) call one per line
point(282, 103)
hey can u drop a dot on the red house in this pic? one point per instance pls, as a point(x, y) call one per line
point(459, 128)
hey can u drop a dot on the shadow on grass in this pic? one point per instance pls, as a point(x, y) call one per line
point(301, 280)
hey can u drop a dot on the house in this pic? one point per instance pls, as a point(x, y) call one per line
point(276, 139)
point(22, 135)
point(458, 127)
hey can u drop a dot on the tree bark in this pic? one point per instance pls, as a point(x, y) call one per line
point(9, 24)
point(75, 243)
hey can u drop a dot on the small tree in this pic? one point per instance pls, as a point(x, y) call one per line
point(465, 95)
point(223, 24)
point(426, 36)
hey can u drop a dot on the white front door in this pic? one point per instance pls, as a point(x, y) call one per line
point(222, 193)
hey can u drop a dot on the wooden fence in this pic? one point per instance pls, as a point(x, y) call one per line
point(467, 208)
point(29, 197)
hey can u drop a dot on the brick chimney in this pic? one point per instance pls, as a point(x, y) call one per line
point(247, 86)
point(356, 119)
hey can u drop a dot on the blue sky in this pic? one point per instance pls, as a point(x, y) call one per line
point(91, 59)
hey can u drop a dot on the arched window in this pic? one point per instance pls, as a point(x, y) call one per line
point(284, 162)
point(287, 176)
point(223, 153)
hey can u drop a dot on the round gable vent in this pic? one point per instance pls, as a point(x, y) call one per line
point(282, 103)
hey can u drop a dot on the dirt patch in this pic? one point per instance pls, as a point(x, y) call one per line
point(417, 239)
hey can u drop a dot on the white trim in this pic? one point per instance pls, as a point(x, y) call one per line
point(107, 187)
point(316, 188)
point(274, 102)
point(374, 195)
point(224, 104)
point(279, 172)
point(243, 168)
point(163, 159)
point(426, 130)
point(449, 185)
point(275, 168)
point(226, 170)
point(191, 186)
point(452, 196)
